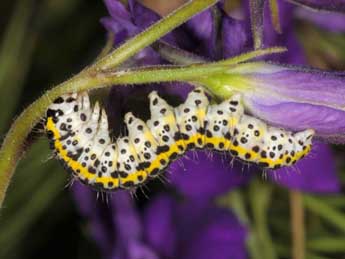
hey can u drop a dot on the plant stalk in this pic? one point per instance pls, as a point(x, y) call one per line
point(297, 225)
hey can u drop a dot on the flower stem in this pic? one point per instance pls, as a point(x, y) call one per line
point(260, 197)
point(275, 15)
point(297, 225)
point(256, 19)
point(327, 244)
point(252, 54)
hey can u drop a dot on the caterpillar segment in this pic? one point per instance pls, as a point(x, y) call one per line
point(144, 144)
point(79, 136)
point(220, 122)
point(163, 127)
point(190, 117)
point(128, 169)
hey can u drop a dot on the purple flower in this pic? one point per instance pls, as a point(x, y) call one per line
point(327, 5)
point(116, 227)
point(318, 172)
point(265, 101)
point(293, 97)
point(166, 229)
point(190, 227)
point(262, 15)
point(207, 176)
point(181, 228)
point(334, 22)
point(141, 17)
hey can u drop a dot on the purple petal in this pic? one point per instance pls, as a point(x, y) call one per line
point(211, 227)
point(287, 38)
point(142, 16)
point(315, 173)
point(327, 5)
point(202, 27)
point(223, 237)
point(189, 227)
point(138, 250)
point(299, 116)
point(125, 24)
point(198, 34)
point(125, 219)
point(84, 198)
point(235, 37)
point(203, 177)
point(159, 222)
point(334, 22)
point(120, 21)
point(117, 10)
point(98, 224)
point(294, 97)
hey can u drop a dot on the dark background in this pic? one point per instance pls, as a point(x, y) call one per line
point(43, 43)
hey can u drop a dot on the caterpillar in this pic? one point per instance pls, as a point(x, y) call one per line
point(79, 136)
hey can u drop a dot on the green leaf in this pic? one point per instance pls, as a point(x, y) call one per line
point(15, 59)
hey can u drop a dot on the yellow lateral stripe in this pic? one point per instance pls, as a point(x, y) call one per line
point(165, 155)
point(133, 177)
point(155, 164)
point(282, 161)
point(75, 165)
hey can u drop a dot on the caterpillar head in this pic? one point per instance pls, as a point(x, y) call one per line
point(305, 137)
point(62, 105)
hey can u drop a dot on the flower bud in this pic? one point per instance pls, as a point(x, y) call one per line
point(294, 98)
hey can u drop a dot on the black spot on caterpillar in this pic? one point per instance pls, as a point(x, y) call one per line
point(79, 135)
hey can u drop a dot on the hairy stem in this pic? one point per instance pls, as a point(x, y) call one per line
point(256, 8)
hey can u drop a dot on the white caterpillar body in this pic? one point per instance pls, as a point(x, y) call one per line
point(79, 135)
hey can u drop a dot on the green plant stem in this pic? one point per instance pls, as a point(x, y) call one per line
point(153, 33)
point(327, 244)
point(274, 9)
point(336, 201)
point(317, 256)
point(260, 198)
point(235, 201)
point(181, 57)
point(108, 46)
point(328, 213)
point(256, 19)
point(297, 225)
point(251, 54)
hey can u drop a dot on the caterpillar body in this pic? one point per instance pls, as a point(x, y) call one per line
point(79, 136)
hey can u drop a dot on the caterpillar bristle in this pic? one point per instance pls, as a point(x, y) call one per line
point(79, 135)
